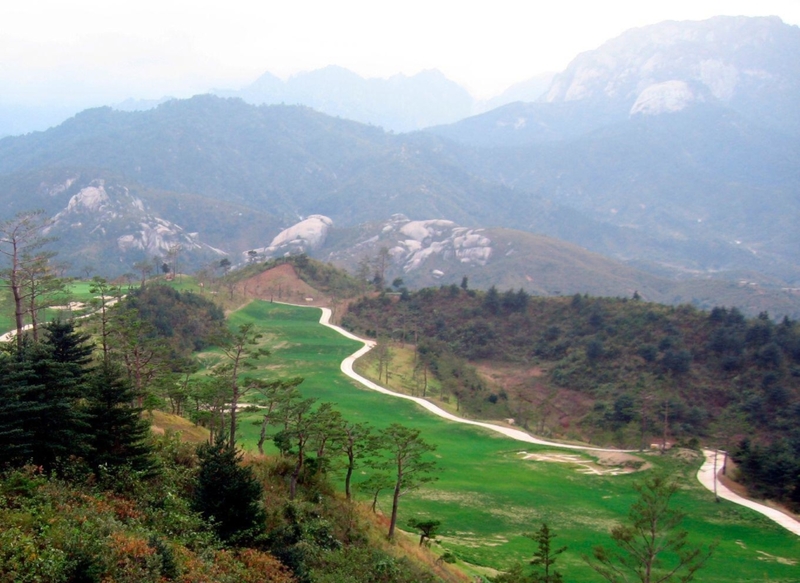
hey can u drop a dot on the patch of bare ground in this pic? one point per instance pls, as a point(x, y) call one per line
point(685, 454)
point(606, 463)
point(782, 560)
point(281, 284)
point(542, 408)
point(470, 540)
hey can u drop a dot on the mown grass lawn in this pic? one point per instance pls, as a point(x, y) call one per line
point(486, 496)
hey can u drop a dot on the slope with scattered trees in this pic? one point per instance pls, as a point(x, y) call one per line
point(631, 373)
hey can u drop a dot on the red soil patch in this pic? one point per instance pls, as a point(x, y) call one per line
point(281, 284)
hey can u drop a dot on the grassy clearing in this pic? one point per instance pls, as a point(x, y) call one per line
point(487, 497)
point(401, 374)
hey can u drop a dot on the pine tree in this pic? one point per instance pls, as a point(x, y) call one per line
point(54, 425)
point(62, 367)
point(545, 556)
point(40, 385)
point(651, 546)
point(228, 494)
point(69, 346)
point(15, 439)
point(118, 432)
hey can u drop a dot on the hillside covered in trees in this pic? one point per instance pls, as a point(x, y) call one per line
point(608, 370)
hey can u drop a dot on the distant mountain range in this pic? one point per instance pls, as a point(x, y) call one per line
point(654, 165)
point(399, 103)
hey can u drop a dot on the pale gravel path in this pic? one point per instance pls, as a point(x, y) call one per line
point(706, 477)
point(705, 474)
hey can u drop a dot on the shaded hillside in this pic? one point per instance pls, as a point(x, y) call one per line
point(696, 191)
point(679, 140)
point(288, 161)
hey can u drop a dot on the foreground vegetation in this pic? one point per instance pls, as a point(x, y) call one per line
point(86, 494)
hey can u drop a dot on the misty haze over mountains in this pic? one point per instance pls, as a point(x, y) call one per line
point(673, 149)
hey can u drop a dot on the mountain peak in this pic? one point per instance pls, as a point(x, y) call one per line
point(736, 61)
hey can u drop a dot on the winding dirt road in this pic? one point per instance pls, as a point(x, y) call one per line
point(705, 475)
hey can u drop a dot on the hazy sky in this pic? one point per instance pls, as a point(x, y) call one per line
point(102, 51)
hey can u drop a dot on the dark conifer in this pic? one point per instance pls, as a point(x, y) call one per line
point(52, 423)
point(118, 431)
point(228, 494)
point(15, 439)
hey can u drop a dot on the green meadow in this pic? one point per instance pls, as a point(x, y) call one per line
point(487, 496)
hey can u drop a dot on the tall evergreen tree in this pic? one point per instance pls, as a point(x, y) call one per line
point(545, 556)
point(651, 547)
point(15, 440)
point(118, 431)
point(41, 421)
point(228, 493)
point(54, 424)
point(69, 346)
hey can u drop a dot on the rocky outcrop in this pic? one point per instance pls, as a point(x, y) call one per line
point(306, 236)
point(108, 212)
point(430, 244)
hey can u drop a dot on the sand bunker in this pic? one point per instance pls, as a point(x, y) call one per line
point(71, 306)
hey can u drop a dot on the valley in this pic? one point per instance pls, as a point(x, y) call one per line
point(330, 328)
point(480, 519)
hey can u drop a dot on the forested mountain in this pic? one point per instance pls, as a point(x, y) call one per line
point(701, 188)
point(290, 161)
point(682, 134)
point(704, 190)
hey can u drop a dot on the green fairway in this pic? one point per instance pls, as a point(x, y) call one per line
point(77, 291)
point(487, 496)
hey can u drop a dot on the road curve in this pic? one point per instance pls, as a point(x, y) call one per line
point(705, 474)
point(347, 368)
point(706, 477)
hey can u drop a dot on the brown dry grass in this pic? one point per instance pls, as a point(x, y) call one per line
point(161, 422)
point(406, 544)
point(524, 384)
